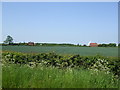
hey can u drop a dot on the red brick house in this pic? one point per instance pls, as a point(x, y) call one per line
point(93, 45)
point(31, 43)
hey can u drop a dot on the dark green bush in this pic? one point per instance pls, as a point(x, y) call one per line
point(108, 64)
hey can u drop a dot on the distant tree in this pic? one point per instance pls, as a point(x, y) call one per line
point(22, 43)
point(78, 44)
point(119, 45)
point(9, 40)
point(84, 45)
point(112, 44)
point(100, 45)
point(107, 45)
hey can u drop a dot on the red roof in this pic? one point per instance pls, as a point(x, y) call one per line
point(93, 44)
point(31, 43)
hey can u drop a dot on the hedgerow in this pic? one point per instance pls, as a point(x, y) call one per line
point(96, 63)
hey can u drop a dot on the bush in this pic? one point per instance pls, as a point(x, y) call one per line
point(98, 63)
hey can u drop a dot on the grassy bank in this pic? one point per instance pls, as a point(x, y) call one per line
point(15, 76)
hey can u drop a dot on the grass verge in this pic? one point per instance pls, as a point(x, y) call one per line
point(15, 76)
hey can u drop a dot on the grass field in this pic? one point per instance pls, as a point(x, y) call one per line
point(15, 76)
point(84, 51)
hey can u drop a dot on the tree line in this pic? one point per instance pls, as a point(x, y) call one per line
point(9, 41)
point(108, 45)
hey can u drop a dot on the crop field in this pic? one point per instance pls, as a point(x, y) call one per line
point(83, 51)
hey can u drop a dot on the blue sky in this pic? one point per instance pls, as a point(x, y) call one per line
point(60, 22)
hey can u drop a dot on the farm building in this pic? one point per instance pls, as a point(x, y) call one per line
point(31, 43)
point(93, 45)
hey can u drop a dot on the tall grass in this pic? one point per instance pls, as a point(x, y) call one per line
point(15, 76)
point(0, 69)
point(0, 76)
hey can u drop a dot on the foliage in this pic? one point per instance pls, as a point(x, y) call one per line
point(119, 45)
point(9, 40)
point(107, 45)
point(99, 63)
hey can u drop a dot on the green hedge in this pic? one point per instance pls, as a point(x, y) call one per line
point(107, 64)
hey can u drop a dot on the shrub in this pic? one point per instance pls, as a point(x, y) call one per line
point(99, 63)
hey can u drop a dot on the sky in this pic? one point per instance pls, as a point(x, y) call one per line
point(60, 22)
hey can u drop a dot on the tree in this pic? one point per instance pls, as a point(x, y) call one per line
point(78, 44)
point(9, 40)
point(84, 45)
point(119, 45)
point(112, 44)
point(107, 45)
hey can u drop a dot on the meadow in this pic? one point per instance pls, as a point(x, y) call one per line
point(84, 51)
point(15, 76)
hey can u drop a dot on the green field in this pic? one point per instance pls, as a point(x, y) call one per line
point(37, 67)
point(84, 51)
point(15, 76)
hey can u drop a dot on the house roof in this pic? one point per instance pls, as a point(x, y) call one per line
point(30, 42)
point(93, 43)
